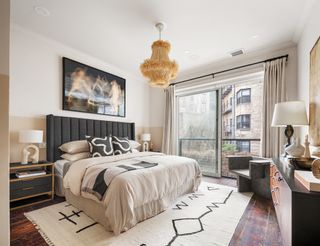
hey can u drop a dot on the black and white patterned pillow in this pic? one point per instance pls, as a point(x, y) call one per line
point(100, 146)
point(121, 145)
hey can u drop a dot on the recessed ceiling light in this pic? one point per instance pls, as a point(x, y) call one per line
point(43, 11)
point(255, 36)
point(187, 51)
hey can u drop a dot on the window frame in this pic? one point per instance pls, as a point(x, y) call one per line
point(242, 123)
point(242, 99)
point(240, 147)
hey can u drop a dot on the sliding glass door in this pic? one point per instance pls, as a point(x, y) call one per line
point(198, 132)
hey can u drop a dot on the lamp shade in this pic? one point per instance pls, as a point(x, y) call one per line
point(30, 136)
point(290, 113)
point(146, 137)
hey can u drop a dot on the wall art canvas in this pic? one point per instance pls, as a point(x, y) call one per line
point(90, 90)
point(314, 95)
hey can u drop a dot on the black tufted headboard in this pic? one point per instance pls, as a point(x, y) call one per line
point(65, 129)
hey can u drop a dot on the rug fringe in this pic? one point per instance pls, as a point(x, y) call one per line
point(41, 232)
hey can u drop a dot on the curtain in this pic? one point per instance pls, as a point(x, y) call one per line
point(274, 91)
point(168, 139)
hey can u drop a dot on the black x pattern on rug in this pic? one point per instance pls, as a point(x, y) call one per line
point(77, 214)
point(210, 210)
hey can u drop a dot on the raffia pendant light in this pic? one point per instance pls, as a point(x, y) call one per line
point(159, 69)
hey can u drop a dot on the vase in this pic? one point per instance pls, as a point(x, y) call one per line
point(295, 149)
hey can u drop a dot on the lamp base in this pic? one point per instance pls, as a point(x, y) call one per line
point(288, 132)
point(26, 154)
point(145, 146)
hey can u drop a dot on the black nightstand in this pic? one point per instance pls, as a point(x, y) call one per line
point(31, 190)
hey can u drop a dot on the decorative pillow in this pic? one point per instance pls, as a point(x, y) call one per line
point(76, 157)
point(74, 147)
point(100, 146)
point(121, 145)
point(134, 144)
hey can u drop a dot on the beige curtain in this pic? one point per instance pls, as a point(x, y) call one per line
point(274, 91)
point(168, 139)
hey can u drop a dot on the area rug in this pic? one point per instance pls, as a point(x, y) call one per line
point(206, 217)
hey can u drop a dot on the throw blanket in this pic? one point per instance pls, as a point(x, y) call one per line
point(97, 180)
point(133, 196)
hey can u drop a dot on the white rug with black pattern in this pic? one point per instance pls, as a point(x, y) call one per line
point(206, 217)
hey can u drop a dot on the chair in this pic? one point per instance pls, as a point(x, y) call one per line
point(253, 174)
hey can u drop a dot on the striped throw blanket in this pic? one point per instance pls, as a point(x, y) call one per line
point(97, 181)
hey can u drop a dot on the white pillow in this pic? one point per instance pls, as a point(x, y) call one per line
point(75, 157)
point(134, 144)
point(74, 147)
point(135, 151)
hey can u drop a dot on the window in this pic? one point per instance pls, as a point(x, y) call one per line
point(243, 122)
point(244, 96)
point(243, 146)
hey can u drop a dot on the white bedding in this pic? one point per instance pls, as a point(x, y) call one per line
point(58, 179)
point(150, 188)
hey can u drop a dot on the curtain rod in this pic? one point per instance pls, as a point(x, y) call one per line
point(230, 69)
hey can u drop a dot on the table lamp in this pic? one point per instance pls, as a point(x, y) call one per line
point(31, 137)
point(288, 114)
point(145, 137)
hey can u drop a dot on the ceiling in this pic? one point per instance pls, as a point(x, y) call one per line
point(120, 32)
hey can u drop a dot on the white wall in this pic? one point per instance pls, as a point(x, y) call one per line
point(308, 38)
point(36, 79)
point(4, 121)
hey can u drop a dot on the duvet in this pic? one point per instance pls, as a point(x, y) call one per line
point(155, 181)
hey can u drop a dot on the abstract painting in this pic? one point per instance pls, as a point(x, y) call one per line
point(314, 95)
point(90, 90)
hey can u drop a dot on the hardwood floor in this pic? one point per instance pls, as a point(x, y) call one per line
point(258, 225)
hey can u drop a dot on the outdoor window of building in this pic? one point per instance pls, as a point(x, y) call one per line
point(244, 96)
point(243, 121)
point(243, 146)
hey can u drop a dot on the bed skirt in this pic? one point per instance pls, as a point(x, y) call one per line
point(96, 211)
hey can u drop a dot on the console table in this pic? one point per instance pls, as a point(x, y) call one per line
point(297, 209)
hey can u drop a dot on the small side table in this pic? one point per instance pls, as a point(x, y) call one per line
point(31, 190)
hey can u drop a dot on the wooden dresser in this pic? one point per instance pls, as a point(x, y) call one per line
point(31, 190)
point(297, 209)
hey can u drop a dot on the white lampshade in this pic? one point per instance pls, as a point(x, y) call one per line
point(146, 137)
point(30, 136)
point(290, 113)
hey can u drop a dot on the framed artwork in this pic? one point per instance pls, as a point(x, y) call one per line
point(314, 95)
point(90, 90)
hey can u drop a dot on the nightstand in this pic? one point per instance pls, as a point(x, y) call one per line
point(31, 190)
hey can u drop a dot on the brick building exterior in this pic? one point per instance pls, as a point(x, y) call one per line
point(241, 120)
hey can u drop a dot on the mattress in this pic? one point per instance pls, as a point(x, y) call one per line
point(58, 179)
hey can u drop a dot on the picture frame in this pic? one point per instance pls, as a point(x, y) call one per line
point(90, 90)
point(314, 94)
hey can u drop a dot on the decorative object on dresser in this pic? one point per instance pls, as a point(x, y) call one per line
point(289, 114)
point(307, 147)
point(90, 90)
point(31, 137)
point(295, 149)
point(296, 207)
point(316, 168)
point(31, 183)
point(301, 162)
point(158, 68)
point(314, 98)
point(145, 138)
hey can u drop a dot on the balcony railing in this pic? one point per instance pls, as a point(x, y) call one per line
point(205, 151)
point(227, 109)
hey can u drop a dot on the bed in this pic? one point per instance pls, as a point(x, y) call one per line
point(154, 183)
